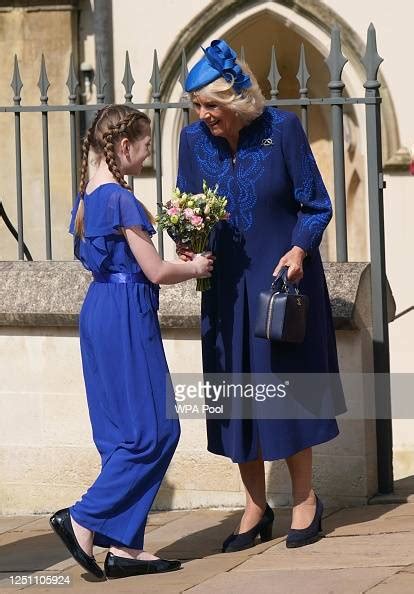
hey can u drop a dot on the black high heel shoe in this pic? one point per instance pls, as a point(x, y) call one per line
point(299, 537)
point(246, 540)
point(118, 567)
point(62, 525)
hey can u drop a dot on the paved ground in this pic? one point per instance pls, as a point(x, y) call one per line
point(369, 549)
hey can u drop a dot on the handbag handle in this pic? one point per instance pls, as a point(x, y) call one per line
point(287, 285)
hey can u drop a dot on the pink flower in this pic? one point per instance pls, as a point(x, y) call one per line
point(173, 211)
point(196, 220)
point(188, 213)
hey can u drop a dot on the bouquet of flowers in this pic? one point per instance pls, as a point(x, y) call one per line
point(189, 219)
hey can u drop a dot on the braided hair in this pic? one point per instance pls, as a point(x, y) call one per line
point(115, 132)
point(110, 124)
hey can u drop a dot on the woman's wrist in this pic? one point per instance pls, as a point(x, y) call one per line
point(299, 251)
point(192, 268)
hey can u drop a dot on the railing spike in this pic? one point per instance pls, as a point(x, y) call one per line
point(155, 79)
point(274, 75)
point(72, 82)
point(100, 81)
point(16, 82)
point(336, 62)
point(43, 82)
point(371, 59)
point(128, 81)
point(303, 74)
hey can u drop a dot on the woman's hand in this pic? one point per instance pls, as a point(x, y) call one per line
point(294, 260)
point(203, 264)
point(184, 252)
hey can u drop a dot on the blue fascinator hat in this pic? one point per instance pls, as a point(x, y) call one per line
point(219, 60)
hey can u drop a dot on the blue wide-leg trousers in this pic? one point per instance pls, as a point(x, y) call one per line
point(126, 380)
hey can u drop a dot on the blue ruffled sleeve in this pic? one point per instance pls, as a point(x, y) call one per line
point(126, 211)
point(112, 208)
point(309, 190)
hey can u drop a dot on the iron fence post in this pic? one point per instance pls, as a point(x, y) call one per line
point(372, 61)
point(336, 62)
point(43, 85)
point(16, 85)
point(156, 94)
point(72, 83)
point(303, 76)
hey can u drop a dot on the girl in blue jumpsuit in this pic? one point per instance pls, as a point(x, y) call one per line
point(124, 366)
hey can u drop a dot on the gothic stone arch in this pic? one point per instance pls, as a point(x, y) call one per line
point(396, 158)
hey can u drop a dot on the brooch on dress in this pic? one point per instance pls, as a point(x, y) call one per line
point(267, 142)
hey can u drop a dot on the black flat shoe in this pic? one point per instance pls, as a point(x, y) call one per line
point(299, 537)
point(118, 567)
point(246, 540)
point(62, 525)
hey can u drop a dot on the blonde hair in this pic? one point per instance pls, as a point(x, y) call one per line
point(111, 124)
point(249, 103)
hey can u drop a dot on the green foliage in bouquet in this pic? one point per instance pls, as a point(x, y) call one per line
point(189, 219)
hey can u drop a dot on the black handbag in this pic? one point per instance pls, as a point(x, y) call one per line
point(282, 311)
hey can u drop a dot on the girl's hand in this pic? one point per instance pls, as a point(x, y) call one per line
point(184, 252)
point(203, 264)
point(294, 260)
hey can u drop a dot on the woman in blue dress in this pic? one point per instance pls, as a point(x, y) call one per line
point(124, 366)
point(279, 207)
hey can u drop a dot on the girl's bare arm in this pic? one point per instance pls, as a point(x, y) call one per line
point(159, 271)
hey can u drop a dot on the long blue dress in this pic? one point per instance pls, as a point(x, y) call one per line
point(125, 373)
point(276, 199)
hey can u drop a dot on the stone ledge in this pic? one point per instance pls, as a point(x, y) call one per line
point(51, 294)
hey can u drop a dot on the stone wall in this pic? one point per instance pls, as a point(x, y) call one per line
point(28, 31)
point(47, 457)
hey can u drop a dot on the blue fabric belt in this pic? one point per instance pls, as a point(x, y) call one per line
point(120, 277)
